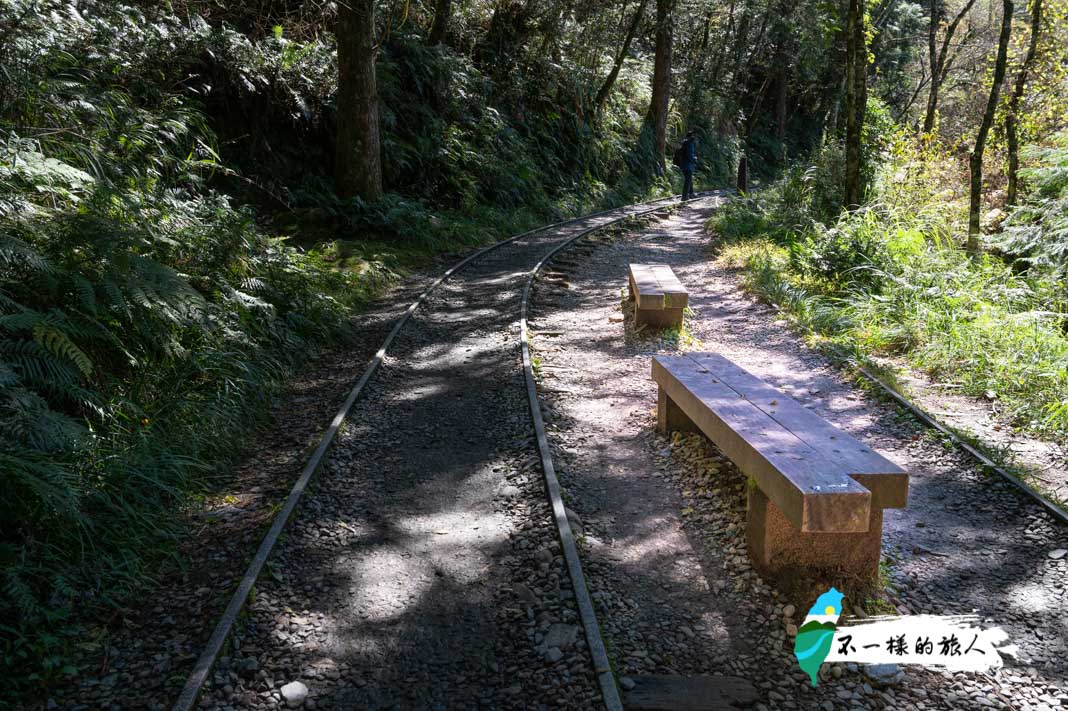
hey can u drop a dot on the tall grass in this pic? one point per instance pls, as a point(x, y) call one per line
point(891, 280)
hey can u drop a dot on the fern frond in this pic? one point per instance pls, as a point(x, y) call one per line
point(57, 342)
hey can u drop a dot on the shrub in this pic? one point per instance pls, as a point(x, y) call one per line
point(144, 321)
point(890, 278)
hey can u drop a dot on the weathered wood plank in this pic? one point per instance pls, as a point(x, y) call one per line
point(811, 491)
point(655, 286)
point(661, 692)
point(887, 481)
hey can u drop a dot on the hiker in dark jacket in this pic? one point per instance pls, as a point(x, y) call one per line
point(689, 164)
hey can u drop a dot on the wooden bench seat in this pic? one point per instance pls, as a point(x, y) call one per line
point(659, 298)
point(818, 493)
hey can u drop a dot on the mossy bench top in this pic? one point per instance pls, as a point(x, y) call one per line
point(822, 478)
point(655, 286)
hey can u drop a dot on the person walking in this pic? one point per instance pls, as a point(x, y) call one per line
point(686, 159)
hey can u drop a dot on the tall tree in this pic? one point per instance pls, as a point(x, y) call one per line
point(440, 27)
point(610, 80)
point(1012, 119)
point(938, 56)
point(856, 100)
point(975, 161)
point(358, 157)
point(656, 118)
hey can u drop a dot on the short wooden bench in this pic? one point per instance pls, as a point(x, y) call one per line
point(819, 494)
point(659, 298)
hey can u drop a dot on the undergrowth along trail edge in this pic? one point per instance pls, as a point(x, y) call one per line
point(1059, 513)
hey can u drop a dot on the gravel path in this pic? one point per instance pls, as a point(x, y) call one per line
point(664, 520)
point(139, 658)
point(1043, 462)
point(423, 569)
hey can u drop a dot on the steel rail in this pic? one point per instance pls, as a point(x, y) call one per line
point(595, 643)
point(916, 411)
point(187, 698)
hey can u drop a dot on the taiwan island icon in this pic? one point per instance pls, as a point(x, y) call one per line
point(814, 639)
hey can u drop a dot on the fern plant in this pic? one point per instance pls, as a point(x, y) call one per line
point(1037, 232)
point(144, 320)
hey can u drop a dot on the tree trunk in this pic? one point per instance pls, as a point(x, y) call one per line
point(721, 47)
point(932, 58)
point(834, 79)
point(856, 101)
point(937, 56)
point(975, 162)
point(610, 80)
point(1011, 116)
point(440, 28)
point(697, 72)
point(657, 116)
point(780, 104)
point(359, 160)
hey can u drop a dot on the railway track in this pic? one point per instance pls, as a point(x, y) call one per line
point(390, 582)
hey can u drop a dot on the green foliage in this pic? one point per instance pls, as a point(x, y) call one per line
point(1037, 232)
point(890, 279)
point(144, 320)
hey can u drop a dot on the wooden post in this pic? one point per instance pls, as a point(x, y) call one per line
point(743, 174)
point(779, 551)
point(670, 417)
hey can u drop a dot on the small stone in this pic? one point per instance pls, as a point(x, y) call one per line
point(525, 595)
point(248, 665)
point(789, 611)
point(827, 706)
point(560, 635)
point(573, 517)
point(882, 673)
point(553, 655)
point(627, 683)
point(294, 694)
point(791, 630)
point(836, 672)
point(1058, 554)
point(510, 491)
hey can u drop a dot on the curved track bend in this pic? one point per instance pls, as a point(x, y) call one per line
point(422, 568)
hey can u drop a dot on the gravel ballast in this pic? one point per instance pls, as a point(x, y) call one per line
point(664, 518)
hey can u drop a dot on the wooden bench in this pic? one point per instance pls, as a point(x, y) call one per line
point(659, 298)
point(819, 494)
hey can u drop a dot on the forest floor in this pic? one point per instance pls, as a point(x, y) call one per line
point(664, 544)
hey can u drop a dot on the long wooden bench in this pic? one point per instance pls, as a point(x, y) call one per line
point(818, 496)
point(659, 297)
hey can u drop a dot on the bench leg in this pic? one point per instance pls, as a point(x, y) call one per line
point(659, 318)
point(779, 550)
point(669, 417)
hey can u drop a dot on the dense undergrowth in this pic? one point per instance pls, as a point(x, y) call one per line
point(144, 321)
point(891, 279)
point(171, 245)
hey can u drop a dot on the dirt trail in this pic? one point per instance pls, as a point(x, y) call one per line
point(663, 521)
